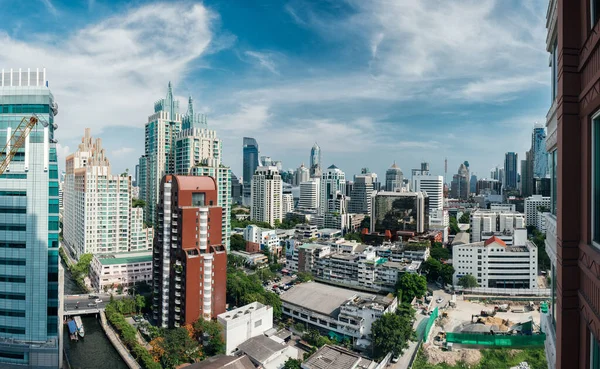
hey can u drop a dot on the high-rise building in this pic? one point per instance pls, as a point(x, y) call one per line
point(473, 184)
point(539, 152)
point(266, 161)
point(251, 162)
point(287, 203)
point(190, 262)
point(333, 180)
point(302, 174)
point(236, 190)
point(142, 177)
point(198, 152)
point(488, 187)
point(310, 194)
point(315, 161)
point(527, 181)
point(98, 205)
point(423, 171)
point(161, 129)
point(30, 322)
point(510, 171)
point(267, 195)
point(400, 212)
point(460, 183)
point(361, 195)
point(533, 205)
point(394, 178)
point(433, 186)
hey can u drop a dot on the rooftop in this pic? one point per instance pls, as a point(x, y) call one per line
point(461, 238)
point(261, 348)
point(241, 311)
point(335, 357)
point(125, 258)
point(223, 361)
point(494, 239)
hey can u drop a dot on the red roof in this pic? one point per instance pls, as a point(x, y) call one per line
point(202, 183)
point(494, 239)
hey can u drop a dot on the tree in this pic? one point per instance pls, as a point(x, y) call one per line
point(468, 281)
point(140, 302)
point(212, 332)
point(412, 285)
point(447, 273)
point(353, 236)
point(439, 253)
point(179, 348)
point(465, 218)
point(390, 333)
point(454, 229)
point(432, 268)
point(237, 242)
point(137, 203)
point(304, 277)
point(292, 364)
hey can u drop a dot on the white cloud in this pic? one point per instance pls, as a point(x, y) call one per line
point(62, 152)
point(110, 73)
point(122, 151)
point(51, 8)
point(265, 60)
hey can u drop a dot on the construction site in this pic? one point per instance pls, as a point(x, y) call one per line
point(459, 330)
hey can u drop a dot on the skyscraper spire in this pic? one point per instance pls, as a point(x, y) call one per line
point(190, 111)
point(170, 102)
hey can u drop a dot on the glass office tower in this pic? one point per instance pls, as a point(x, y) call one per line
point(29, 226)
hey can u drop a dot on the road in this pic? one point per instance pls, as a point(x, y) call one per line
point(80, 302)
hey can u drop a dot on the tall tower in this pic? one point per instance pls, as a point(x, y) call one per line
point(510, 171)
point(333, 181)
point(393, 178)
point(31, 326)
point(251, 162)
point(267, 195)
point(315, 161)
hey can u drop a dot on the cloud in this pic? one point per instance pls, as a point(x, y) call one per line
point(123, 151)
point(48, 4)
point(62, 152)
point(265, 60)
point(109, 74)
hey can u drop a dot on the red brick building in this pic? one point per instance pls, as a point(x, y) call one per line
point(573, 141)
point(190, 262)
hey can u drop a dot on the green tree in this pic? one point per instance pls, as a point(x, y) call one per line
point(447, 273)
point(304, 277)
point(432, 268)
point(292, 364)
point(454, 229)
point(439, 253)
point(179, 348)
point(468, 281)
point(405, 310)
point(212, 333)
point(366, 222)
point(140, 303)
point(237, 242)
point(390, 333)
point(465, 218)
point(137, 203)
point(353, 236)
point(411, 285)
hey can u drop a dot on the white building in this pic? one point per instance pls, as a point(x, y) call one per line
point(306, 231)
point(333, 182)
point(534, 205)
point(264, 237)
point(309, 195)
point(288, 203)
point(439, 218)
point(497, 265)
point(107, 272)
point(503, 207)
point(244, 323)
point(486, 221)
point(267, 195)
point(98, 217)
point(302, 174)
point(361, 195)
point(433, 186)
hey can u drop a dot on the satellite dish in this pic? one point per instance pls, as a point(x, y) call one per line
point(55, 108)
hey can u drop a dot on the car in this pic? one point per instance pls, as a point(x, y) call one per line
point(97, 301)
point(92, 304)
point(92, 297)
point(395, 359)
point(439, 300)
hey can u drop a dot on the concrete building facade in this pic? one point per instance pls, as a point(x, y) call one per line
point(241, 324)
point(109, 271)
point(267, 196)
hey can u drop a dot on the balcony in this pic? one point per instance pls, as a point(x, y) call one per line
point(177, 302)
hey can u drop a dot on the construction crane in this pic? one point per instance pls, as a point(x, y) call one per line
point(17, 139)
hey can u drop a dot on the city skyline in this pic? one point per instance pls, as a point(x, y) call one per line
point(339, 91)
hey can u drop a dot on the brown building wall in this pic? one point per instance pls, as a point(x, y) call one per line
point(252, 247)
point(219, 281)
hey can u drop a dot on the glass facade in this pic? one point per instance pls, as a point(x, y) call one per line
point(29, 241)
point(250, 162)
point(554, 179)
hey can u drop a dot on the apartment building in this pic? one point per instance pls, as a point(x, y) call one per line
point(267, 195)
point(241, 324)
point(400, 212)
point(190, 261)
point(258, 239)
point(109, 271)
point(535, 206)
point(485, 221)
point(306, 231)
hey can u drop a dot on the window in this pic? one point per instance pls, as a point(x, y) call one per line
point(554, 179)
point(258, 323)
point(594, 12)
point(554, 69)
point(596, 180)
point(594, 352)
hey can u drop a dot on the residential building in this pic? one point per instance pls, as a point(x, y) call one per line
point(339, 310)
point(142, 176)
point(460, 183)
point(361, 195)
point(315, 161)
point(333, 182)
point(190, 263)
point(336, 357)
point(251, 162)
point(267, 196)
point(399, 212)
point(510, 171)
point(198, 152)
point(98, 216)
point(539, 153)
point(110, 271)
point(302, 174)
point(488, 187)
point(236, 190)
point(306, 231)
point(433, 186)
point(310, 195)
point(394, 178)
point(268, 352)
point(423, 171)
point(241, 324)
point(533, 205)
point(287, 203)
point(30, 310)
point(253, 259)
point(496, 264)
point(485, 221)
point(258, 239)
point(223, 362)
point(439, 217)
point(160, 130)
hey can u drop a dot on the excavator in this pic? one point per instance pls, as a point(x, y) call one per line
point(17, 139)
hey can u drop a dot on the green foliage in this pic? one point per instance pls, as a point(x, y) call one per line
point(80, 270)
point(299, 327)
point(244, 223)
point(137, 203)
point(244, 289)
point(179, 348)
point(468, 281)
point(353, 236)
point(405, 310)
point(411, 285)
point(211, 329)
point(313, 337)
point(127, 305)
point(237, 242)
point(454, 229)
point(292, 364)
point(436, 269)
point(366, 223)
point(304, 277)
point(438, 252)
point(539, 239)
point(447, 273)
point(287, 224)
point(235, 261)
point(140, 302)
point(128, 336)
point(265, 274)
point(391, 333)
point(276, 267)
point(465, 219)
point(492, 359)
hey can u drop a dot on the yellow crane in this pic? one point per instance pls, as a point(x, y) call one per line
point(17, 139)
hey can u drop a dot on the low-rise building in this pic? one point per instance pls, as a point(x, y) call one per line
point(333, 309)
point(306, 231)
point(252, 259)
point(126, 269)
point(268, 352)
point(486, 221)
point(336, 357)
point(258, 239)
point(244, 323)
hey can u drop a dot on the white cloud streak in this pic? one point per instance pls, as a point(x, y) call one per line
point(51, 8)
point(265, 60)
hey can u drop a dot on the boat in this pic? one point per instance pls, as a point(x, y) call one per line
point(79, 324)
point(72, 329)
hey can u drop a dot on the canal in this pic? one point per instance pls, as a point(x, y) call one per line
point(95, 350)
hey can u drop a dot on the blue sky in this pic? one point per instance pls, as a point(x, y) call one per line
point(372, 82)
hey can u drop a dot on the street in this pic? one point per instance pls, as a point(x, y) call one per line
point(70, 301)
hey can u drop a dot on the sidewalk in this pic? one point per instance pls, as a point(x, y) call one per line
point(117, 344)
point(409, 353)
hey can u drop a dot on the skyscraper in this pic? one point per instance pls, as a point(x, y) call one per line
point(333, 180)
point(198, 152)
point(310, 194)
point(267, 196)
point(539, 153)
point(30, 325)
point(190, 263)
point(361, 195)
point(473, 184)
point(251, 162)
point(315, 161)
point(527, 167)
point(460, 183)
point(302, 174)
point(393, 178)
point(141, 175)
point(433, 186)
point(236, 190)
point(98, 209)
point(510, 171)
point(162, 128)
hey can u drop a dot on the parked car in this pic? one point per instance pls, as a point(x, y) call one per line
point(97, 301)
point(395, 359)
point(92, 304)
point(92, 297)
point(439, 300)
